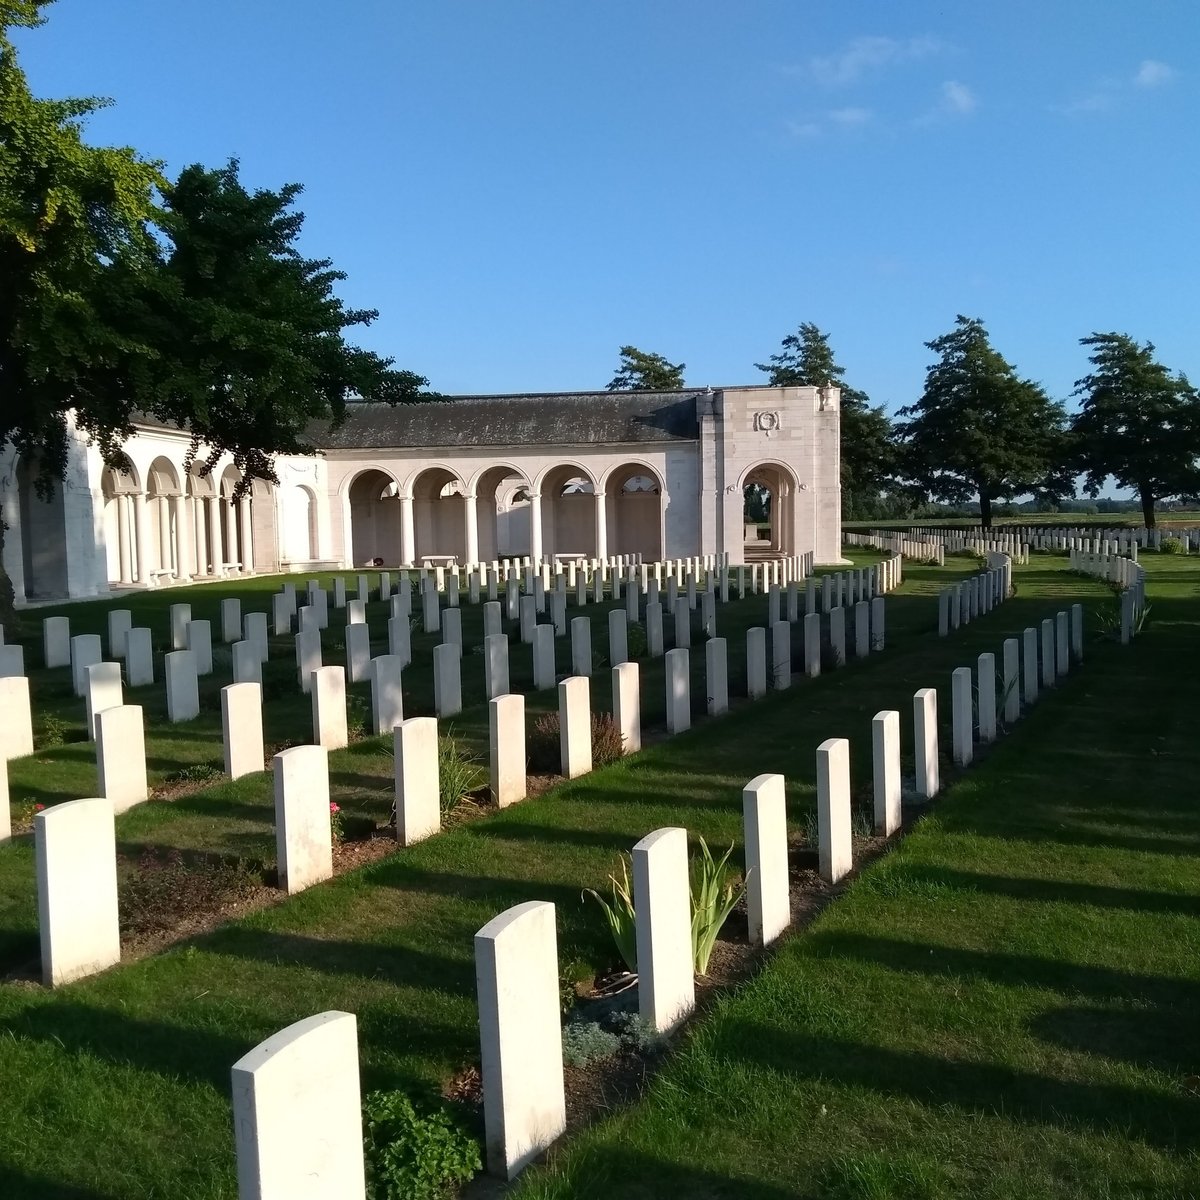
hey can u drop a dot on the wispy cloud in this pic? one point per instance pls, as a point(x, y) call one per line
point(866, 55)
point(1152, 74)
point(957, 99)
point(834, 120)
point(848, 117)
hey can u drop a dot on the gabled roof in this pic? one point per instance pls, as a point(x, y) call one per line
point(552, 419)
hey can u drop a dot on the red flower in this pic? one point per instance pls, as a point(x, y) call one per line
point(38, 807)
point(333, 807)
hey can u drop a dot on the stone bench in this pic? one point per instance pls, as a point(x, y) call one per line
point(439, 560)
point(156, 577)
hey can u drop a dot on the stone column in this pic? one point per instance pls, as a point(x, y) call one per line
point(123, 539)
point(471, 508)
point(601, 526)
point(165, 556)
point(408, 534)
point(231, 537)
point(535, 526)
point(246, 521)
point(218, 542)
point(199, 514)
point(141, 535)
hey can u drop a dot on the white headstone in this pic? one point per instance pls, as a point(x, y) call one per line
point(231, 620)
point(387, 696)
point(618, 636)
point(506, 740)
point(199, 642)
point(56, 641)
point(986, 701)
point(764, 820)
point(16, 718)
point(837, 634)
point(121, 756)
point(181, 615)
point(102, 690)
point(308, 656)
point(495, 665)
point(447, 679)
point(528, 610)
point(297, 1113)
point(925, 737)
point(716, 672)
point(358, 653)
point(862, 629)
point(756, 662)
point(1029, 665)
point(1012, 680)
point(662, 901)
point(242, 729)
point(654, 629)
point(581, 646)
point(834, 841)
point(962, 726)
point(303, 832)
point(281, 614)
point(781, 655)
point(885, 763)
point(1048, 652)
point(247, 666)
point(329, 708)
point(76, 853)
point(120, 621)
point(575, 724)
point(183, 690)
point(543, 657)
point(418, 794)
point(400, 638)
point(520, 1036)
point(493, 618)
point(12, 661)
point(254, 625)
point(85, 650)
point(627, 705)
point(1062, 644)
point(679, 689)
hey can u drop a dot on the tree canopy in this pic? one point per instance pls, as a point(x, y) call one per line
point(868, 455)
point(642, 372)
point(1137, 422)
point(979, 428)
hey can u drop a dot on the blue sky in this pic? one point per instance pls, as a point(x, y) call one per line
point(522, 186)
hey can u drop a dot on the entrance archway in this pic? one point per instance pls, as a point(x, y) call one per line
point(634, 508)
point(768, 500)
point(568, 512)
point(120, 485)
point(502, 510)
point(374, 518)
point(439, 514)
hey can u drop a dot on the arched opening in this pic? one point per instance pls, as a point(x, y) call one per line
point(374, 519)
point(634, 503)
point(299, 539)
point(569, 512)
point(206, 518)
point(768, 498)
point(120, 485)
point(43, 535)
point(439, 515)
point(162, 487)
point(238, 518)
point(502, 509)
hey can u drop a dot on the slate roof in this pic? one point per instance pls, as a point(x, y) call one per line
point(551, 419)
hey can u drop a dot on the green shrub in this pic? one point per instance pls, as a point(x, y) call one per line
point(53, 732)
point(1171, 545)
point(619, 914)
point(607, 743)
point(200, 772)
point(545, 750)
point(459, 774)
point(585, 1041)
point(639, 1033)
point(636, 644)
point(714, 896)
point(413, 1155)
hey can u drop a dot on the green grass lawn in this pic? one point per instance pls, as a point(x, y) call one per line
point(118, 1086)
point(1005, 1006)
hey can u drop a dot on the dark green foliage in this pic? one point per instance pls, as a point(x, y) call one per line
point(544, 747)
point(1137, 422)
point(642, 372)
point(979, 429)
point(459, 774)
point(1171, 545)
point(868, 451)
point(412, 1155)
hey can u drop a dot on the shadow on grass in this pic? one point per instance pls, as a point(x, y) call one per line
point(1150, 1116)
point(1012, 970)
point(1053, 891)
point(17, 1185)
point(1163, 1039)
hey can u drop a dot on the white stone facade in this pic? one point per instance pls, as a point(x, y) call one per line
point(661, 475)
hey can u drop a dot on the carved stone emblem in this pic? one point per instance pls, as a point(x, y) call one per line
point(766, 422)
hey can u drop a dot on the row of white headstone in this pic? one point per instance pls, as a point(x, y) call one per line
point(975, 596)
point(313, 1064)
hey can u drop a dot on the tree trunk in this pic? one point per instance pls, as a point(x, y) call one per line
point(1147, 508)
point(8, 614)
point(985, 510)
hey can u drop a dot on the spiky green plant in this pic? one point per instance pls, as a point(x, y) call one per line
point(714, 896)
point(620, 915)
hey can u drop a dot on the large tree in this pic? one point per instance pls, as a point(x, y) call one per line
point(868, 452)
point(122, 293)
point(642, 372)
point(979, 429)
point(1136, 422)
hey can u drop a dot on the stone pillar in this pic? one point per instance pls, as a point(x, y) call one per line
point(885, 761)
point(961, 717)
point(297, 1113)
point(408, 534)
point(716, 669)
point(601, 527)
point(506, 742)
point(231, 536)
point(627, 705)
point(142, 532)
point(200, 532)
point(183, 549)
point(75, 849)
point(575, 725)
point(418, 803)
point(303, 833)
point(662, 901)
point(471, 510)
point(925, 737)
point(764, 820)
point(520, 1036)
point(215, 532)
point(679, 690)
point(242, 729)
point(123, 539)
point(535, 526)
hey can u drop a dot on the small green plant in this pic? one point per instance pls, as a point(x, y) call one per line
point(459, 773)
point(636, 644)
point(639, 1033)
point(53, 732)
point(412, 1155)
point(1172, 545)
point(337, 823)
point(714, 896)
point(607, 743)
point(358, 718)
point(620, 915)
point(200, 772)
point(586, 1041)
point(572, 973)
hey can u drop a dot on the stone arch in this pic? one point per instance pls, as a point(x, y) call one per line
point(502, 508)
point(635, 508)
point(119, 484)
point(439, 499)
point(569, 517)
point(163, 485)
point(373, 500)
point(298, 537)
point(776, 484)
